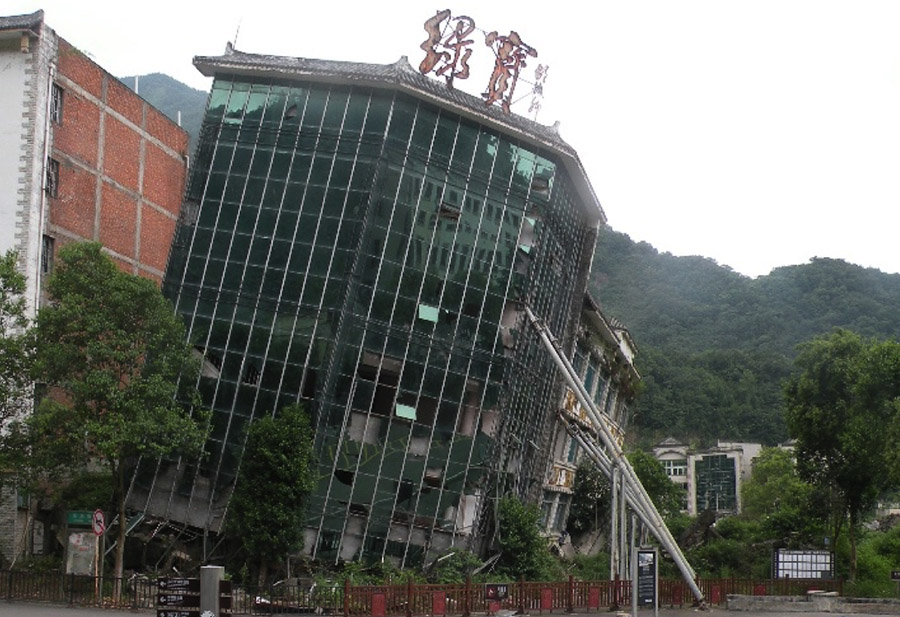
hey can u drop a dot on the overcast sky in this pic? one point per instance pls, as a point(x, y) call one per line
point(757, 133)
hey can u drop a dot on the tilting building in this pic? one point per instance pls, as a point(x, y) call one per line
point(81, 158)
point(604, 362)
point(363, 239)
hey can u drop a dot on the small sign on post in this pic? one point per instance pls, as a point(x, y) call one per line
point(178, 597)
point(496, 592)
point(98, 522)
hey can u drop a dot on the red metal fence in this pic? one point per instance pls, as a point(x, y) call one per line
point(406, 599)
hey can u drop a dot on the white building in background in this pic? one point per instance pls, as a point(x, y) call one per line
point(711, 478)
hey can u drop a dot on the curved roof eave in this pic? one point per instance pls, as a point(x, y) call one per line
point(401, 76)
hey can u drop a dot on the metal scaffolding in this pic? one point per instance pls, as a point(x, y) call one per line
point(610, 458)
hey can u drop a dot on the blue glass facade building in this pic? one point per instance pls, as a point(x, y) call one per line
point(362, 239)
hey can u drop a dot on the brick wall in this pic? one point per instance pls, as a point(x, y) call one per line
point(123, 167)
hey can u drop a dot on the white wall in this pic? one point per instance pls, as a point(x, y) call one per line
point(13, 82)
point(25, 79)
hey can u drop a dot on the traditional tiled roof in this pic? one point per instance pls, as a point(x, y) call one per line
point(32, 21)
point(401, 76)
point(669, 441)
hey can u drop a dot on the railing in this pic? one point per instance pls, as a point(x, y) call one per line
point(402, 600)
point(76, 590)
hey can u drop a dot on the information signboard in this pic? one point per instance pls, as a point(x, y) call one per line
point(178, 597)
point(79, 518)
point(645, 579)
point(179, 584)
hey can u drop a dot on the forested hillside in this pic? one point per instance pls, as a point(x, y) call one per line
point(714, 345)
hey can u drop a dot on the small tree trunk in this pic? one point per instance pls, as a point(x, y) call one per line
point(263, 572)
point(120, 536)
point(851, 535)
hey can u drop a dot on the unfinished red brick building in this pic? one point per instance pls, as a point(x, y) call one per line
point(82, 157)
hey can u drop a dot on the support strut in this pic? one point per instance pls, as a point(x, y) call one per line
point(608, 453)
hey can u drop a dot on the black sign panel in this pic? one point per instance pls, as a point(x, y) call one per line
point(179, 584)
point(895, 575)
point(177, 599)
point(646, 578)
point(496, 592)
point(174, 612)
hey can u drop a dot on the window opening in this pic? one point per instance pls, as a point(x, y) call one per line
point(344, 476)
point(52, 177)
point(251, 375)
point(56, 104)
point(47, 254)
point(449, 212)
point(386, 381)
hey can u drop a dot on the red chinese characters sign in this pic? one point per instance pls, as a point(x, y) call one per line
point(448, 49)
point(510, 53)
point(447, 56)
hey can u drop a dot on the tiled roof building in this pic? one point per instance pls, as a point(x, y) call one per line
point(362, 239)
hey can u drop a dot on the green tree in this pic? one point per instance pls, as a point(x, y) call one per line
point(523, 549)
point(842, 410)
point(277, 473)
point(590, 498)
point(783, 503)
point(15, 342)
point(666, 495)
point(112, 351)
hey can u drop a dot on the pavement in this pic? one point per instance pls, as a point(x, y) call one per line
point(37, 609)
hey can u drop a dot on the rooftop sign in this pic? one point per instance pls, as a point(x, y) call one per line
point(448, 49)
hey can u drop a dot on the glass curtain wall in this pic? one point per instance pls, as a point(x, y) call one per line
point(369, 254)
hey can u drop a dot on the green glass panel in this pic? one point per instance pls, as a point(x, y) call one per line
point(334, 113)
point(402, 119)
point(376, 123)
point(356, 113)
point(234, 110)
point(315, 107)
point(405, 411)
point(428, 313)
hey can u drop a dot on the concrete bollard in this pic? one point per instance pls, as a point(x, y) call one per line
point(209, 590)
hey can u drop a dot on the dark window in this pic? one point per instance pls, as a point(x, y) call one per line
point(251, 375)
point(449, 212)
point(47, 254)
point(56, 104)
point(52, 177)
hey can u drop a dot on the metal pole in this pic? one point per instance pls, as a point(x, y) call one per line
point(614, 528)
point(640, 501)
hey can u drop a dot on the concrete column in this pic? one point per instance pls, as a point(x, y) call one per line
point(209, 589)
